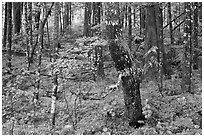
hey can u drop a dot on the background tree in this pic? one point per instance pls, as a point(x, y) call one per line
point(5, 26)
point(55, 50)
point(9, 30)
point(17, 16)
point(170, 22)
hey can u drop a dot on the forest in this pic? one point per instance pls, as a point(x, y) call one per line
point(101, 68)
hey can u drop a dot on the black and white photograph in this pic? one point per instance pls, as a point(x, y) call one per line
point(101, 68)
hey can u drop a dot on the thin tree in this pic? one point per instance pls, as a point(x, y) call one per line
point(39, 53)
point(129, 27)
point(5, 25)
point(170, 23)
point(195, 35)
point(87, 19)
point(86, 23)
point(186, 60)
point(55, 50)
point(30, 33)
point(9, 30)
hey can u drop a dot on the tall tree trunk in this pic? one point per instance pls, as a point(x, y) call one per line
point(39, 55)
point(70, 14)
point(129, 27)
point(5, 25)
point(142, 19)
point(154, 37)
point(9, 30)
point(126, 16)
point(65, 17)
point(17, 17)
point(86, 23)
point(98, 49)
point(130, 83)
point(186, 68)
point(27, 35)
point(170, 23)
point(30, 34)
point(161, 53)
point(134, 17)
point(195, 36)
point(89, 19)
point(55, 50)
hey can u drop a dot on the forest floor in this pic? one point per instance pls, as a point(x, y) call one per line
point(174, 113)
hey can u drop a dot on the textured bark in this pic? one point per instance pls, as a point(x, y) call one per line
point(87, 19)
point(170, 23)
point(17, 16)
point(39, 55)
point(131, 85)
point(55, 50)
point(5, 26)
point(85, 33)
point(99, 62)
point(9, 30)
point(154, 37)
point(129, 27)
point(195, 36)
point(67, 16)
point(186, 68)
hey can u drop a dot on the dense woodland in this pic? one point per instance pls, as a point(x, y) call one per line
point(101, 68)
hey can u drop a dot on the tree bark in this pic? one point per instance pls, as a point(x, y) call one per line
point(9, 30)
point(154, 37)
point(55, 50)
point(170, 23)
point(195, 36)
point(17, 17)
point(130, 84)
point(5, 26)
point(129, 27)
point(186, 68)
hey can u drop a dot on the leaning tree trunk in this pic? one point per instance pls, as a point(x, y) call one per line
point(130, 83)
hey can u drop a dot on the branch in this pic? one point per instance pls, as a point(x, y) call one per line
point(178, 25)
point(47, 14)
point(174, 19)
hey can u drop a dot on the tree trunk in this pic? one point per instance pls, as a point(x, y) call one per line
point(39, 55)
point(30, 34)
point(55, 50)
point(161, 53)
point(126, 16)
point(17, 17)
point(9, 30)
point(142, 19)
point(129, 27)
point(86, 23)
point(130, 84)
point(5, 25)
point(186, 68)
point(99, 62)
point(195, 36)
point(89, 19)
point(70, 14)
point(170, 23)
point(154, 37)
